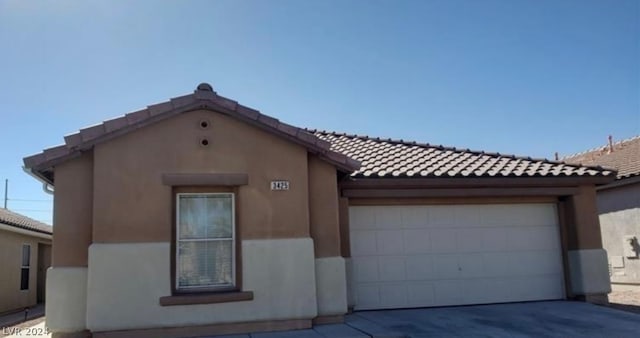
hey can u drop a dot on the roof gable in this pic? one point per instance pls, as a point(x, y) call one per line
point(387, 158)
point(203, 98)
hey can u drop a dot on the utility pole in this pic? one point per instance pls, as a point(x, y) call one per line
point(6, 188)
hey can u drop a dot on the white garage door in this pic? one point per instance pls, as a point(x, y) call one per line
point(437, 255)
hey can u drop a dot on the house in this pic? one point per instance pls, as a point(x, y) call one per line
point(200, 216)
point(619, 207)
point(25, 255)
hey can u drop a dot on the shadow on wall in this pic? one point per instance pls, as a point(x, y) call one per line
point(621, 198)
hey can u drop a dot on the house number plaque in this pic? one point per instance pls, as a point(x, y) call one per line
point(279, 185)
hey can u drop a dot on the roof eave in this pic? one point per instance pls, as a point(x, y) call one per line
point(478, 181)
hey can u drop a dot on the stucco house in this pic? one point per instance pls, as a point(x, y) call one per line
point(201, 216)
point(619, 207)
point(25, 255)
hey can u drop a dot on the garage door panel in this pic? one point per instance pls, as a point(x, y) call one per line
point(471, 266)
point(363, 243)
point(453, 255)
point(445, 266)
point(421, 294)
point(388, 218)
point(532, 238)
point(467, 216)
point(419, 267)
point(391, 268)
point(365, 269)
point(449, 292)
point(441, 216)
point(389, 242)
point(393, 295)
point(443, 241)
point(415, 217)
point(497, 264)
point(494, 239)
point(470, 240)
point(417, 241)
point(362, 218)
point(368, 296)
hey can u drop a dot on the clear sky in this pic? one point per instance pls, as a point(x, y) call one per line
point(514, 76)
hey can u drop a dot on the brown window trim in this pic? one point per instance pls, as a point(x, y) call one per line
point(208, 298)
point(206, 294)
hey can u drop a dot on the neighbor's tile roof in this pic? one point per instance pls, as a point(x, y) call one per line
point(20, 221)
point(204, 97)
point(397, 158)
point(625, 157)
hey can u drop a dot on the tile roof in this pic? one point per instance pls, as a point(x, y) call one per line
point(20, 221)
point(382, 158)
point(625, 157)
point(204, 97)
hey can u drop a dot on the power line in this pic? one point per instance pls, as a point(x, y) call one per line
point(27, 200)
point(32, 210)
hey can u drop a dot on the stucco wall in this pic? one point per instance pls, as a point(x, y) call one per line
point(72, 211)
point(619, 210)
point(132, 205)
point(127, 280)
point(11, 297)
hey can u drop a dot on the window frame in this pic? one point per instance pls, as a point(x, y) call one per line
point(235, 248)
point(25, 267)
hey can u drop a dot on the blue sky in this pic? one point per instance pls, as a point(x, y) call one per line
point(514, 76)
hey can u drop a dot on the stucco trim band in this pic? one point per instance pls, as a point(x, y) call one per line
point(205, 179)
point(66, 305)
point(126, 280)
point(588, 272)
point(331, 286)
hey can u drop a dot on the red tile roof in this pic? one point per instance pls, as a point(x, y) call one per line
point(624, 157)
point(20, 221)
point(398, 158)
point(360, 155)
point(203, 98)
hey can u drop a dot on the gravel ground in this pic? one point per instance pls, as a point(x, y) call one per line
point(625, 300)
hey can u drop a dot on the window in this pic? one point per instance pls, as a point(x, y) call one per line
point(24, 270)
point(205, 241)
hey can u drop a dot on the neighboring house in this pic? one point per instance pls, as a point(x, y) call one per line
point(619, 207)
point(25, 255)
point(200, 216)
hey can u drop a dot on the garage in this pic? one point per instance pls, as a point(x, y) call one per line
point(406, 256)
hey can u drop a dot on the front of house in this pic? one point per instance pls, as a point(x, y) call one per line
point(201, 216)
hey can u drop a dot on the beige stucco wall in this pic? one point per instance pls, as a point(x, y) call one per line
point(619, 210)
point(126, 281)
point(323, 208)
point(132, 205)
point(11, 297)
point(72, 211)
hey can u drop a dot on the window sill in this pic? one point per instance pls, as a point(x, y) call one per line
point(209, 298)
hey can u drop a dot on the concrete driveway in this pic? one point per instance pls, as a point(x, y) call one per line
point(535, 319)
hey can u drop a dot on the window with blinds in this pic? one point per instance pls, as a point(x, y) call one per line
point(205, 255)
point(25, 267)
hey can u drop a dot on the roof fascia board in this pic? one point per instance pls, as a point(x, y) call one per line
point(459, 192)
point(468, 182)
